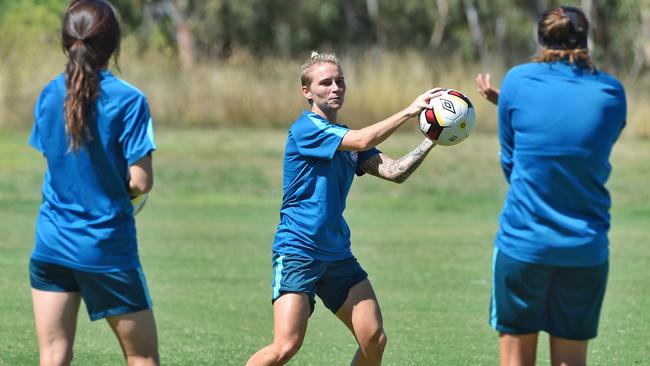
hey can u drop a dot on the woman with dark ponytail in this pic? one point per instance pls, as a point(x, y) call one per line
point(559, 118)
point(95, 132)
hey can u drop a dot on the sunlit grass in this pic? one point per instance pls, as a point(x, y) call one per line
point(205, 243)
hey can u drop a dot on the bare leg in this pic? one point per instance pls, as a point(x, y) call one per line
point(291, 314)
point(361, 314)
point(137, 335)
point(518, 349)
point(565, 352)
point(55, 315)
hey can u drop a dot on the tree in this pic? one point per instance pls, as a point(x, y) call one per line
point(439, 24)
point(179, 14)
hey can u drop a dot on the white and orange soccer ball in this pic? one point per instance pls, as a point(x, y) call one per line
point(451, 119)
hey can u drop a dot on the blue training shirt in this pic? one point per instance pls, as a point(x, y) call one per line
point(317, 179)
point(86, 218)
point(557, 126)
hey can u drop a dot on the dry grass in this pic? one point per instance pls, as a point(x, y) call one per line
point(245, 91)
point(638, 110)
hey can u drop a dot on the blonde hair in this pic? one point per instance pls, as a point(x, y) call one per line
point(579, 56)
point(315, 59)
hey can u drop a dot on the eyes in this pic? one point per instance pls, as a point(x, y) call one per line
point(340, 82)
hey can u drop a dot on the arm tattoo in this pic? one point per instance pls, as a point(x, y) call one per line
point(397, 170)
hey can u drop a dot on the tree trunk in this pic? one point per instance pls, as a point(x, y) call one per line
point(645, 28)
point(587, 8)
point(184, 36)
point(373, 12)
point(500, 30)
point(351, 19)
point(475, 30)
point(642, 51)
point(185, 40)
point(440, 23)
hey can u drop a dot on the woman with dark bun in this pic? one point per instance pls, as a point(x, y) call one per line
point(559, 118)
point(95, 132)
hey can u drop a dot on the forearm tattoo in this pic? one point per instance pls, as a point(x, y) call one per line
point(397, 170)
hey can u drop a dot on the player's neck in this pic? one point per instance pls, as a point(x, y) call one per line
point(330, 115)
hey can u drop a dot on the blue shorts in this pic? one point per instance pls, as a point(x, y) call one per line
point(565, 302)
point(105, 294)
point(331, 281)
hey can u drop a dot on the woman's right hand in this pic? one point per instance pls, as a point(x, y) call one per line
point(422, 102)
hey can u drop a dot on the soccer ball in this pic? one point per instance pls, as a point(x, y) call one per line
point(450, 121)
point(138, 202)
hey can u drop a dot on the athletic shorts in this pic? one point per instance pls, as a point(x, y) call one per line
point(331, 281)
point(105, 294)
point(565, 302)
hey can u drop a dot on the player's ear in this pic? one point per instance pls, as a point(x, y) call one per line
point(306, 92)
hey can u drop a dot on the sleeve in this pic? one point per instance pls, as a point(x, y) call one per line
point(137, 138)
point(363, 156)
point(35, 137)
point(623, 99)
point(506, 132)
point(317, 138)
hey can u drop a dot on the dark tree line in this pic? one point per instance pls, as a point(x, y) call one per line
point(473, 30)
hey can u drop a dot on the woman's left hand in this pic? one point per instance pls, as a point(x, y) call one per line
point(486, 89)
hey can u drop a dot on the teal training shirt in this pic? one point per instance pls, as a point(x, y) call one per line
point(86, 218)
point(317, 179)
point(557, 126)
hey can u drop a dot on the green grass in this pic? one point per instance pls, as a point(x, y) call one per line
point(205, 244)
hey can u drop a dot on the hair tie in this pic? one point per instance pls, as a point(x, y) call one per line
point(79, 42)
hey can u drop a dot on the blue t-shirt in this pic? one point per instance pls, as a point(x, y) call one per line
point(86, 218)
point(557, 126)
point(317, 179)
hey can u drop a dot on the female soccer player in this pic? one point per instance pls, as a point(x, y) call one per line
point(559, 118)
point(311, 251)
point(95, 133)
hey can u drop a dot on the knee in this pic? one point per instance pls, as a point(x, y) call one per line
point(374, 341)
point(142, 361)
point(55, 357)
point(383, 341)
point(285, 351)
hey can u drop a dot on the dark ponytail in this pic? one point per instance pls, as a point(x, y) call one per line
point(562, 32)
point(90, 35)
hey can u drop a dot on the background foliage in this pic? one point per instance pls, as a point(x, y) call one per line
point(219, 28)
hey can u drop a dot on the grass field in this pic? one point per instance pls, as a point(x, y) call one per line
point(205, 241)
